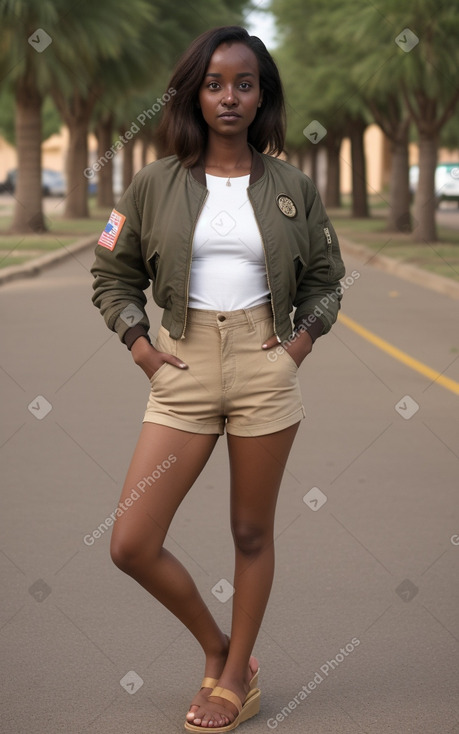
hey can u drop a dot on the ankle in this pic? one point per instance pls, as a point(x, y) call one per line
point(234, 680)
point(220, 650)
point(216, 658)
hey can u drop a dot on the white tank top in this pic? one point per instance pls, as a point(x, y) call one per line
point(228, 270)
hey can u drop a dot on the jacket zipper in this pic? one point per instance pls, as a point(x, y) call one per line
point(266, 265)
point(187, 292)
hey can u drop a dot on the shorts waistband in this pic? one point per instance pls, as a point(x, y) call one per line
point(239, 317)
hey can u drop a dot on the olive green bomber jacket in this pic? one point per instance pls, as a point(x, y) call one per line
point(154, 244)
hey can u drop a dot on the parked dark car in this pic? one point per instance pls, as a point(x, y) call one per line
point(53, 183)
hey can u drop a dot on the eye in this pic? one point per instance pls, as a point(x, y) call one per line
point(245, 85)
point(213, 86)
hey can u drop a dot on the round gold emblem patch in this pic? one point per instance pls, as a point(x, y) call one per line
point(286, 205)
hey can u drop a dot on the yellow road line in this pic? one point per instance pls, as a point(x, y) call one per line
point(403, 357)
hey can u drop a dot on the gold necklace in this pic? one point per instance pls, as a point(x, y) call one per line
point(228, 182)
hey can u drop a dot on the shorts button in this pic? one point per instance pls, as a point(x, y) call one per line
point(220, 317)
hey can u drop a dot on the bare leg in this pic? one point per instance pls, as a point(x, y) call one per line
point(139, 532)
point(257, 466)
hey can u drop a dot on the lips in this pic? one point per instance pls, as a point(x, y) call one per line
point(229, 115)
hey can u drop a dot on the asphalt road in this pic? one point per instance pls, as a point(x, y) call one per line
point(448, 215)
point(361, 634)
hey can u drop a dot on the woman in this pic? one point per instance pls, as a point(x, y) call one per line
point(232, 239)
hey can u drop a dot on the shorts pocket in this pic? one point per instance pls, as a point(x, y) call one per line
point(279, 355)
point(154, 375)
point(164, 343)
point(291, 360)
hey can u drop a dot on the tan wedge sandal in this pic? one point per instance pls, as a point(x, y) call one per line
point(212, 682)
point(246, 710)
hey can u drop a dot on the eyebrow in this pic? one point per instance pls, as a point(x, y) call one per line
point(243, 73)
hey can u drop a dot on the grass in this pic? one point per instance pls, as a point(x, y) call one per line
point(7, 261)
point(16, 249)
point(440, 257)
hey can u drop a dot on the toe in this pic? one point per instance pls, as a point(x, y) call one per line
point(197, 717)
point(209, 720)
point(253, 665)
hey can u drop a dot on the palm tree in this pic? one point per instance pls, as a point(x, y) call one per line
point(54, 45)
point(158, 45)
point(77, 90)
point(24, 55)
point(315, 67)
point(68, 46)
point(410, 57)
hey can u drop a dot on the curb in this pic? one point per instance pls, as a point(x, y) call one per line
point(412, 273)
point(35, 267)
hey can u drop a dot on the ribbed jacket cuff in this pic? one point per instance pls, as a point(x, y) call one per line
point(134, 333)
point(314, 328)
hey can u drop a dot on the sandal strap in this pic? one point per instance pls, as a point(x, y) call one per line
point(209, 682)
point(228, 696)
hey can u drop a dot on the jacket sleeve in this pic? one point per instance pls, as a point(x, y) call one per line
point(319, 293)
point(120, 276)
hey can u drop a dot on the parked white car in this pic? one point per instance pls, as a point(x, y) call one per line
point(446, 181)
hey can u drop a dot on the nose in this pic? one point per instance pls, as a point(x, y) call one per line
point(229, 98)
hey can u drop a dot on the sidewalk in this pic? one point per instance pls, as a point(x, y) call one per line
point(39, 264)
point(29, 255)
point(412, 273)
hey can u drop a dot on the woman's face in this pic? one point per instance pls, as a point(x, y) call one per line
point(230, 92)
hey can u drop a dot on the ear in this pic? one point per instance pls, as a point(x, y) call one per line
point(260, 101)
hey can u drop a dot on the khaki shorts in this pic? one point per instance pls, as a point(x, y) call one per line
point(230, 379)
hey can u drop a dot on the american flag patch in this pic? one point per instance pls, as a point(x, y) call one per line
point(110, 235)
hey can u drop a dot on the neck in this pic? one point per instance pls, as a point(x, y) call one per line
point(228, 153)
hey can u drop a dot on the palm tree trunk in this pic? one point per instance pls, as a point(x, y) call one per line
point(145, 144)
point(424, 226)
point(311, 164)
point(399, 219)
point(359, 176)
point(76, 113)
point(104, 133)
point(76, 203)
point(28, 212)
point(300, 158)
point(128, 160)
point(332, 191)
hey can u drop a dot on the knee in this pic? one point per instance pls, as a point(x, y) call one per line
point(251, 539)
point(126, 553)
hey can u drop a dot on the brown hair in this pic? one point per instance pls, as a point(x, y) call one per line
point(183, 130)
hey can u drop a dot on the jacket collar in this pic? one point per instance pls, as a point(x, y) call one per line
point(258, 167)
